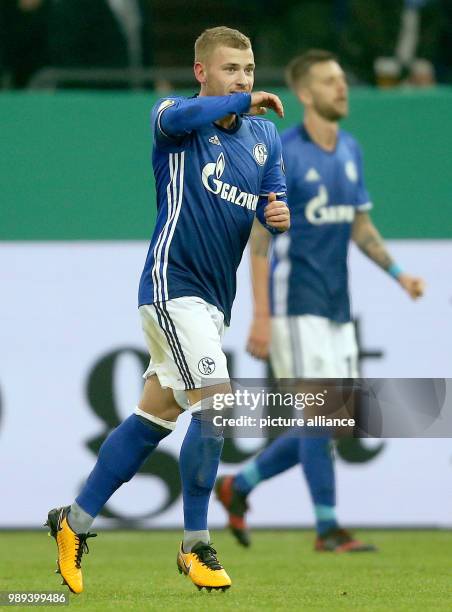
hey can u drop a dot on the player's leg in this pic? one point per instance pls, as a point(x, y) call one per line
point(304, 348)
point(345, 351)
point(199, 459)
point(278, 457)
point(125, 450)
point(120, 457)
point(317, 461)
point(196, 329)
point(314, 358)
point(198, 463)
point(232, 491)
point(322, 343)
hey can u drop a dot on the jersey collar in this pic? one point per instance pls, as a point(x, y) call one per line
point(305, 135)
point(233, 129)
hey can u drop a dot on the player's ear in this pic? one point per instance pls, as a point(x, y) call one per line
point(200, 73)
point(304, 95)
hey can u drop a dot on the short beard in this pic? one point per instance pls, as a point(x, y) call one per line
point(329, 113)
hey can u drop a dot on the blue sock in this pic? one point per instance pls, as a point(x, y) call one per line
point(120, 457)
point(198, 463)
point(278, 457)
point(317, 461)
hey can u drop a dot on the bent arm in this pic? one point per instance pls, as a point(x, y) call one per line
point(368, 239)
point(179, 117)
point(258, 343)
point(259, 243)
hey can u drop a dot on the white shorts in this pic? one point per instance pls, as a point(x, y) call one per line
point(308, 346)
point(184, 336)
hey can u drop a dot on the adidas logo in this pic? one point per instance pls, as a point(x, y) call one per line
point(312, 175)
point(215, 140)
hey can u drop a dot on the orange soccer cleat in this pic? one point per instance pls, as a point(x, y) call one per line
point(71, 547)
point(203, 568)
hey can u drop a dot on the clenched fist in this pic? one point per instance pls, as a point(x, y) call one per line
point(415, 287)
point(277, 213)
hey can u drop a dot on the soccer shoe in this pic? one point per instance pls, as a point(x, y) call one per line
point(71, 547)
point(203, 568)
point(236, 506)
point(340, 541)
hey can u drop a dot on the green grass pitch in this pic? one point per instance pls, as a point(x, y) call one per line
point(137, 571)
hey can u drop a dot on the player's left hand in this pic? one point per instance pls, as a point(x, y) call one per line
point(277, 213)
point(414, 286)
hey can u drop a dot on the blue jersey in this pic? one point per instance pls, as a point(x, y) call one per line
point(309, 263)
point(210, 182)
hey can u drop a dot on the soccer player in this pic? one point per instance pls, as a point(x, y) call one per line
point(305, 323)
point(216, 168)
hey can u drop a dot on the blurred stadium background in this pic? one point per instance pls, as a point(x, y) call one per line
point(78, 79)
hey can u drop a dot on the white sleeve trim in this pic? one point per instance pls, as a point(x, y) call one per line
point(364, 207)
point(278, 193)
point(163, 106)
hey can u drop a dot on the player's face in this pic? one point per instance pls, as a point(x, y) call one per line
point(226, 71)
point(327, 91)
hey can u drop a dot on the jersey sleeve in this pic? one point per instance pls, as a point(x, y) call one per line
point(362, 202)
point(173, 119)
point(274, 179)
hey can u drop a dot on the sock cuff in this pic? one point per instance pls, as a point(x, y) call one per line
point(171, 425)
point(251, 473)
point(194, 537)
point(325, 513)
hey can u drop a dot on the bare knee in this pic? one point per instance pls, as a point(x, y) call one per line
point(207, 393)
point(158, 401)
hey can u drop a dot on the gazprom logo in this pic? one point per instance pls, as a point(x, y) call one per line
point(220, 166)
point(317, 212)
point(211, 179)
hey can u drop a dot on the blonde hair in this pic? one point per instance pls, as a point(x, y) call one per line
point(216, 37)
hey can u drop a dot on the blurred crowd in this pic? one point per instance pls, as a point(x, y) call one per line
point(382, 42)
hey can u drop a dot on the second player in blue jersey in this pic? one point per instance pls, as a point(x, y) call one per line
point(325, 189)
point(312, 335)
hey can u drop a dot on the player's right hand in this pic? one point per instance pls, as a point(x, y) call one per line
point(262, 100)
point(258, 344)
point(414, 286)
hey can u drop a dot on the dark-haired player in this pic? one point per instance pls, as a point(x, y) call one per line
point(305, 325)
